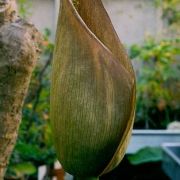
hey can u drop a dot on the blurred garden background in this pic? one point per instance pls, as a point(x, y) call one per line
point(149, 29)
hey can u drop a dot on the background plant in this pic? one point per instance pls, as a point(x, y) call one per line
point(158, 74)
point(158, 82)
point(24, 8)
point(170, 15)
point(170, 10)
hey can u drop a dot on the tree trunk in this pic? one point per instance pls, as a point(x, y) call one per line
point(19, 49)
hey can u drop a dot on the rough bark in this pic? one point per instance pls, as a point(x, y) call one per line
point(19, 50)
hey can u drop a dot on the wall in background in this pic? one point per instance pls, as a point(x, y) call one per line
point(43, 15)
point(132, 19)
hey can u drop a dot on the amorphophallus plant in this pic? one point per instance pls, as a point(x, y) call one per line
point(92, 92)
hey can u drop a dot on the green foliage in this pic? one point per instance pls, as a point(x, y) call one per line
point(158, 76)
point(24, 7)
point(22, 169)
point(158, 80)
point(146, 155)
point(171, 10)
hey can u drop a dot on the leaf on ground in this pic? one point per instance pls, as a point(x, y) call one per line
point(25, 168)
point(145, 155)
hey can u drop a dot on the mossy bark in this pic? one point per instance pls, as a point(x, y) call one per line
point(19, 49)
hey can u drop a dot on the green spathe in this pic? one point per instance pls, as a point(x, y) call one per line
point(92, 92)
